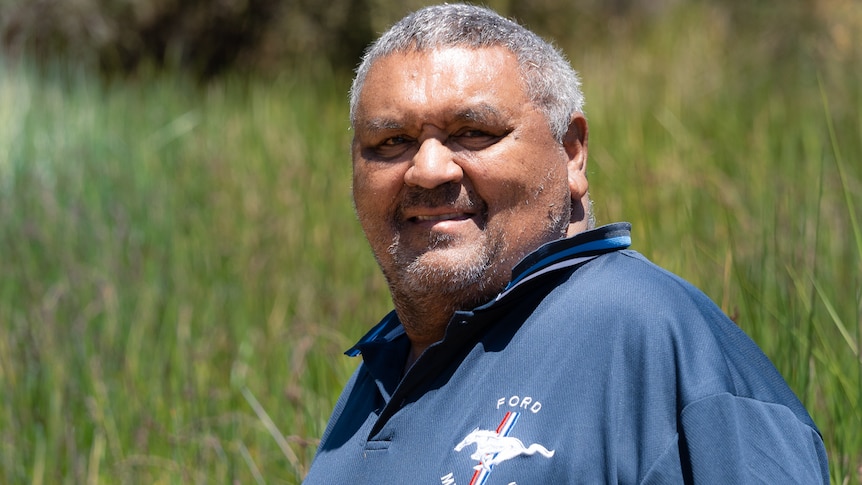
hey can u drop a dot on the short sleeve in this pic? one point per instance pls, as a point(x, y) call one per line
point(731, 439)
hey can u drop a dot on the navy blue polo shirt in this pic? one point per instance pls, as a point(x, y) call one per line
point(592, 366)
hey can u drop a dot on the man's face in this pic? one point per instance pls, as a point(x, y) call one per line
point(456, 175)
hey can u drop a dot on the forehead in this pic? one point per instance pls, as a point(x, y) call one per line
point(441, 82)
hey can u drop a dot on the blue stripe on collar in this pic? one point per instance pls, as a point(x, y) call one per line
point(590, 247)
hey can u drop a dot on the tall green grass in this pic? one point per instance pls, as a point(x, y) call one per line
point(742, 171)
point(169, 257)
point(181, 266)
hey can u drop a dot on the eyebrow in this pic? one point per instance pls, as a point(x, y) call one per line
point(483, 113)
point(376, 125)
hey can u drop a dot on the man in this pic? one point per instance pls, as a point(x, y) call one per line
point(526, 346)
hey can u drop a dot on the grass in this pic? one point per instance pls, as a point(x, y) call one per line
point(182, 267)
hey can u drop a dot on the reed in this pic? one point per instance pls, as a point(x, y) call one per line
point(181, 265)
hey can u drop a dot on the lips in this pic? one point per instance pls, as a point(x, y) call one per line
point(449, 202)
point(453, 216)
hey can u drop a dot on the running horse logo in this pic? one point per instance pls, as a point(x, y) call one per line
point(492, 448)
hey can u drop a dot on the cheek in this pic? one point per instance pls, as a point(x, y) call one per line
point(515, 190)
point(373, 196)
point(527, 197)
point(378, 178)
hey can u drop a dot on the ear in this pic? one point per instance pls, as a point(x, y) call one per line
point(575, 145)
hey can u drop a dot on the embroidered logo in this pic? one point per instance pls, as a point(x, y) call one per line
point(495, 447)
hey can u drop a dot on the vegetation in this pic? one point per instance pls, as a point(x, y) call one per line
point(181, 266)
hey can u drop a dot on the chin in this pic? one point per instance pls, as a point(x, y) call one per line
point(449, 267)
point(454, 276)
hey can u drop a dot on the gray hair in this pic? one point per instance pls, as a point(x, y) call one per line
point(552, 85)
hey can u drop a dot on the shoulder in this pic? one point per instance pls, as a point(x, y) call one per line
point(624, 288)
point(642, 320)
point(631, 277)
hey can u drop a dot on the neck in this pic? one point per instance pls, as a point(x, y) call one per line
point(424, 319)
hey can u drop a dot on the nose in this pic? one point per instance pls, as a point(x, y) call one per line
point(433, 165)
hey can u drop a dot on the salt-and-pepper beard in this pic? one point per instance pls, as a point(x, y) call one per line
point(417, 276)
point(426, 294)
point(464, 286)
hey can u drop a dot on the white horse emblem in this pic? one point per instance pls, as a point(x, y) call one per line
point(492, 448)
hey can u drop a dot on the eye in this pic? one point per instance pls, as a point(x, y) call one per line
point(475, 139)
point(388, 148)
point(471, 133)
point(395, 141)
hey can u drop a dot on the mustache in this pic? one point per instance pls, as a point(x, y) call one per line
point(446, 195)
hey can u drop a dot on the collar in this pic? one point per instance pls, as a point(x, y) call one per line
point(386, 331)
point(568, 252)
point(552, 256)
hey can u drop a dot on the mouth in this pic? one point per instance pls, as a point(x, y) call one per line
point(444, 208)
point(449, 216)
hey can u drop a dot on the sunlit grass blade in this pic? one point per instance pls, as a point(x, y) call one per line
point(95, 459)
point(273, 431)
point(842, 174)
point(255, 471)
point(836, 320)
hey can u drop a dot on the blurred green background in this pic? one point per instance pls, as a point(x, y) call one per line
point(181, 268)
